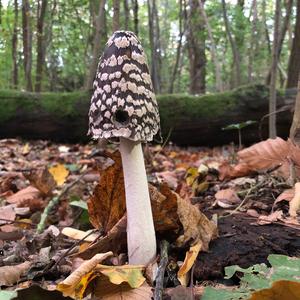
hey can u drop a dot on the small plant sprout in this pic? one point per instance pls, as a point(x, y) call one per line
point(124, 106)
point(239, 127)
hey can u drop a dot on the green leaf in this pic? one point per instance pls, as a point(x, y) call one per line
point(79, 203)
point(7, 295)
point(239, 125)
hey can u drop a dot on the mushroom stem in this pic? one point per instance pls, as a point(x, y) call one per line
point(141, 241)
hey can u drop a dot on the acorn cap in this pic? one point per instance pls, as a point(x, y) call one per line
point(123, 103)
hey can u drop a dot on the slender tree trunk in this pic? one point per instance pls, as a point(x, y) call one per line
point(264, 17)
point(42, 6)
point(294, 60)
point(154, 45)
point(96, 46)
point(27, 43)
point(178, 50)
point(0, 12)
point(234, 49)
point(127, 14)
point(135, 7)
point(116, 15)
point(295, 128)
point(273, 100)
point(213, 51)
point(253, 43)
point(196, 49)
point(284, 27)
point(15, 46)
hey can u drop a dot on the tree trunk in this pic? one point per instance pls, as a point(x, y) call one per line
point(154, 38)
point(27, 43)
point(15, 46)
point(178, 50)
point(253, 43)
point(196, 49)
point(264, 17)
point(295, 128)
point(127, 14)
point(0, 12)
point(284, 27)
point(96, 46)
point(294, 61)
point(42, 6)
point(189, 120)
point(273, 100)
point(135, 5)
point(213, 51)
point(116, 15)
point(234, 49)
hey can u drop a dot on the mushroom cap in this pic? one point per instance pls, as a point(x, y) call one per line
point(123, 103)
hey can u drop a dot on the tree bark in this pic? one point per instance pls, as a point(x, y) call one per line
point(234, 49)
point(189, 120)
point(127, 14)
point(116, 15)
point(273, 100)
point(294, 61)
point(154, 37)
point(96, 46)
point(196, 49)
point(213, 51)
point(284, 27)
point(295, 128)
point(264, 17)
point(42, 7)
point(178, 50)
point(135, 5)
point(27, 43)
point(15, 46)
point(253, 43)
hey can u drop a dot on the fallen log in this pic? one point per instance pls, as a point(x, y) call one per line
point(185, 119)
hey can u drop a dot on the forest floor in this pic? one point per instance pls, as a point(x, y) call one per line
point(248, 196)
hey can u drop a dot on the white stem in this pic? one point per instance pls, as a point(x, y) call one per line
point(141, 240)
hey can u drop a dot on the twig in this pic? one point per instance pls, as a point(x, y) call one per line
point(159, 280)
point(53, 202)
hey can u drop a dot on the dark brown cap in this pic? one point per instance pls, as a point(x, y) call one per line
point(123, 103)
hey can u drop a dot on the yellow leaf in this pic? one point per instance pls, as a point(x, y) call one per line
point(191, 175)
point(189, 260)
point(77, 234)
point(59, 173)
point(26, 149)
point(133, 275)
point(280, 290)
point(75, 284)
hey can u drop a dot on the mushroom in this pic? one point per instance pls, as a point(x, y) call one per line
point(124, 106)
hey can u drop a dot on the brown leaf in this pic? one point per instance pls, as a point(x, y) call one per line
point(107, 205)
point(28, 193)
point(295, 202)
point(227, 197)
point(285, 195)
point(8, 213)
point(11, 274)
point(272, 218)
point(227, 171)
point(41, 179)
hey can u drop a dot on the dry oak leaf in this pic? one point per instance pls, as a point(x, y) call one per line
point(287, 195)
point(280, 290)
point(59, 173)
point(227, 171)
point(7, 212)
point(9, 275)
point(42, 179)
point(189, 260)
point(77, 234)
point(107, 205)
point(295, 202)
point(227, 198)
point(71, 285)
point(29, 193)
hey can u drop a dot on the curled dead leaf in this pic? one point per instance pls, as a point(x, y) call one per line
point(9, 275)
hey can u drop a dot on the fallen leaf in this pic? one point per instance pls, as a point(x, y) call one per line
point(8, 213)
point(287, 195)
point(29, 193)
point(77, 234)
point(42, 179)
point(295, 202)
point(169, 177)
point(107, 205)
point(181, 293)
point(280, 290)
point(227, 198)
point(59, 173)
point(26, 149)
point(69, 287)
point(9, 275)
point(273, 217)
point(189, 260)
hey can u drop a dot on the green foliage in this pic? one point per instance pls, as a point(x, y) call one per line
point(239, 126)
point(257, 277)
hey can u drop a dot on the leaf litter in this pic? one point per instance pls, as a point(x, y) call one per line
point(188, 188)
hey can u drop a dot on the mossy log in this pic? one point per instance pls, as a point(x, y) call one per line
point(185, 120)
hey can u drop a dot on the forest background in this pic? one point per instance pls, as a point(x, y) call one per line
point(192, 46)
